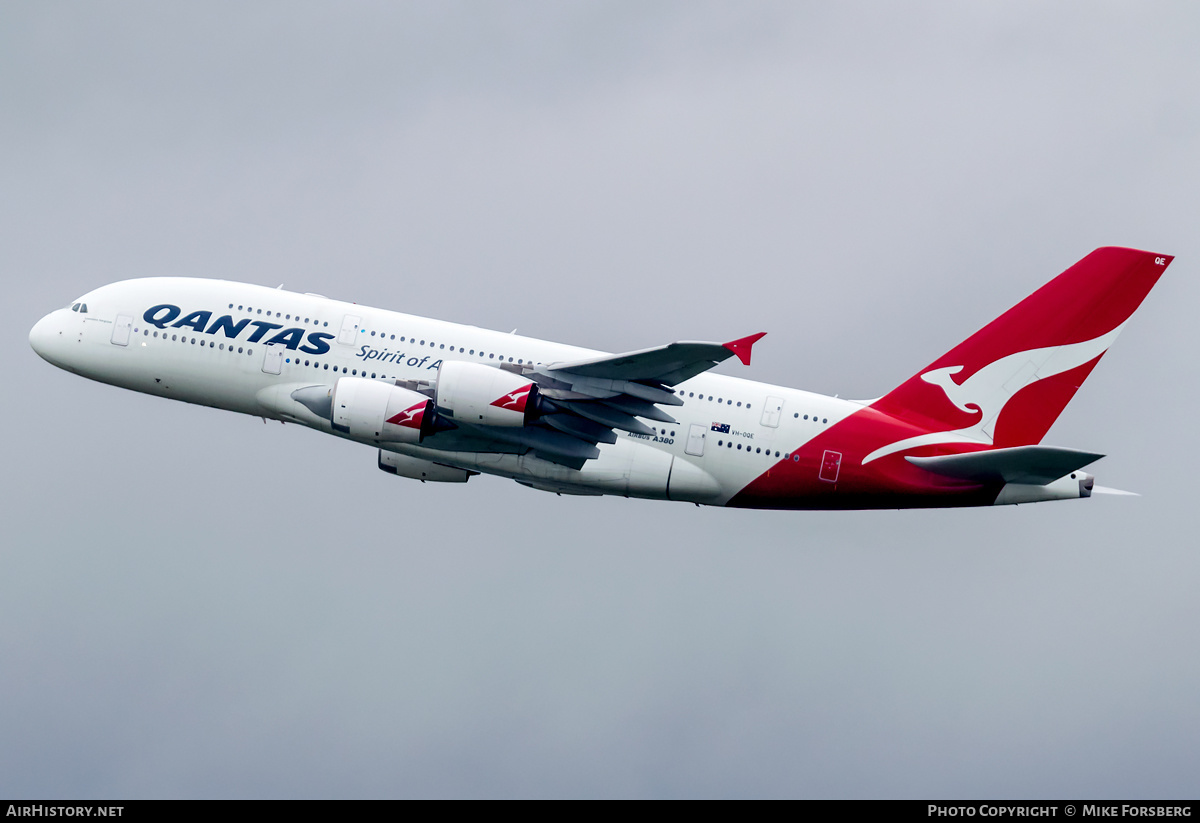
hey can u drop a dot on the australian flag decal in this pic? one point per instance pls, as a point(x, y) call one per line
point(723, 428)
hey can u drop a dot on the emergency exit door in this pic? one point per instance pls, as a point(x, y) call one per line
point(831, 466)
point(273, 359)
point(349, 331)
point(121, 329)
point(772, 410)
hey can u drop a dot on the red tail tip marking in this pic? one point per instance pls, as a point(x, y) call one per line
point(741, 347)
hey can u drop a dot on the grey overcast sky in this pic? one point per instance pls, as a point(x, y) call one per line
point(195, 604)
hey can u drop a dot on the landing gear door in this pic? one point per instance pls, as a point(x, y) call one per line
point(350, 327)
point(273, 359)
point(695, 441)
point(121, 329)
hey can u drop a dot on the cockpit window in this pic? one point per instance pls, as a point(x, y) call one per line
point(75, 307)
point(83, 308)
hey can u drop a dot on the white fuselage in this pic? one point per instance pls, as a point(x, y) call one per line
point(246, 348)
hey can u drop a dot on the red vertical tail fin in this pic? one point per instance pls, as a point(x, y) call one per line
point(1008, 382)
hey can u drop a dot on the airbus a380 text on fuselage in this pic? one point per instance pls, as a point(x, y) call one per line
point(443, 402)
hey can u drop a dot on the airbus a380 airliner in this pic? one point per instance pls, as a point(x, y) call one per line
point(443, 402)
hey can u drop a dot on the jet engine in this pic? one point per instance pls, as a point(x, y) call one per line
point(381, 411)
point(484, 395)
point(404, 466)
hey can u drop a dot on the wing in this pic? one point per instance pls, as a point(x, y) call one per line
point(668, 365)
point(576, 405)
point(583, 403)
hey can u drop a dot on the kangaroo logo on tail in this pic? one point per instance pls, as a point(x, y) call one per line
point(988, 390)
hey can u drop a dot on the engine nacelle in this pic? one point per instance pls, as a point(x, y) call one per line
point(404, 466)
point(484, 395)
point(380, 411)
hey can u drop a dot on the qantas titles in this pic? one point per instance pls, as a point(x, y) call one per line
point(165, 315)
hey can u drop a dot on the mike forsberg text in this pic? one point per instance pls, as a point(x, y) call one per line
point(1068, 810)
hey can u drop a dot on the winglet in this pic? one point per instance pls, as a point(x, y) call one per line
point(741, 346)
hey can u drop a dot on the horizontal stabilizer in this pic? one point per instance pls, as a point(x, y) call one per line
point(1031, 465)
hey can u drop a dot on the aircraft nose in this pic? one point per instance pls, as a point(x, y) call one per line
point(43, 336)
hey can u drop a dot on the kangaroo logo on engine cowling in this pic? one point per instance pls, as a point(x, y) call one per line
point(410, 418)
point(514, 400)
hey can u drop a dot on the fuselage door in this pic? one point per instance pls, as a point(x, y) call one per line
point(695, 441)
point(831, 466)
point(350, 327)
point(121, 329)
point(772, 411)
point(273, 359)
